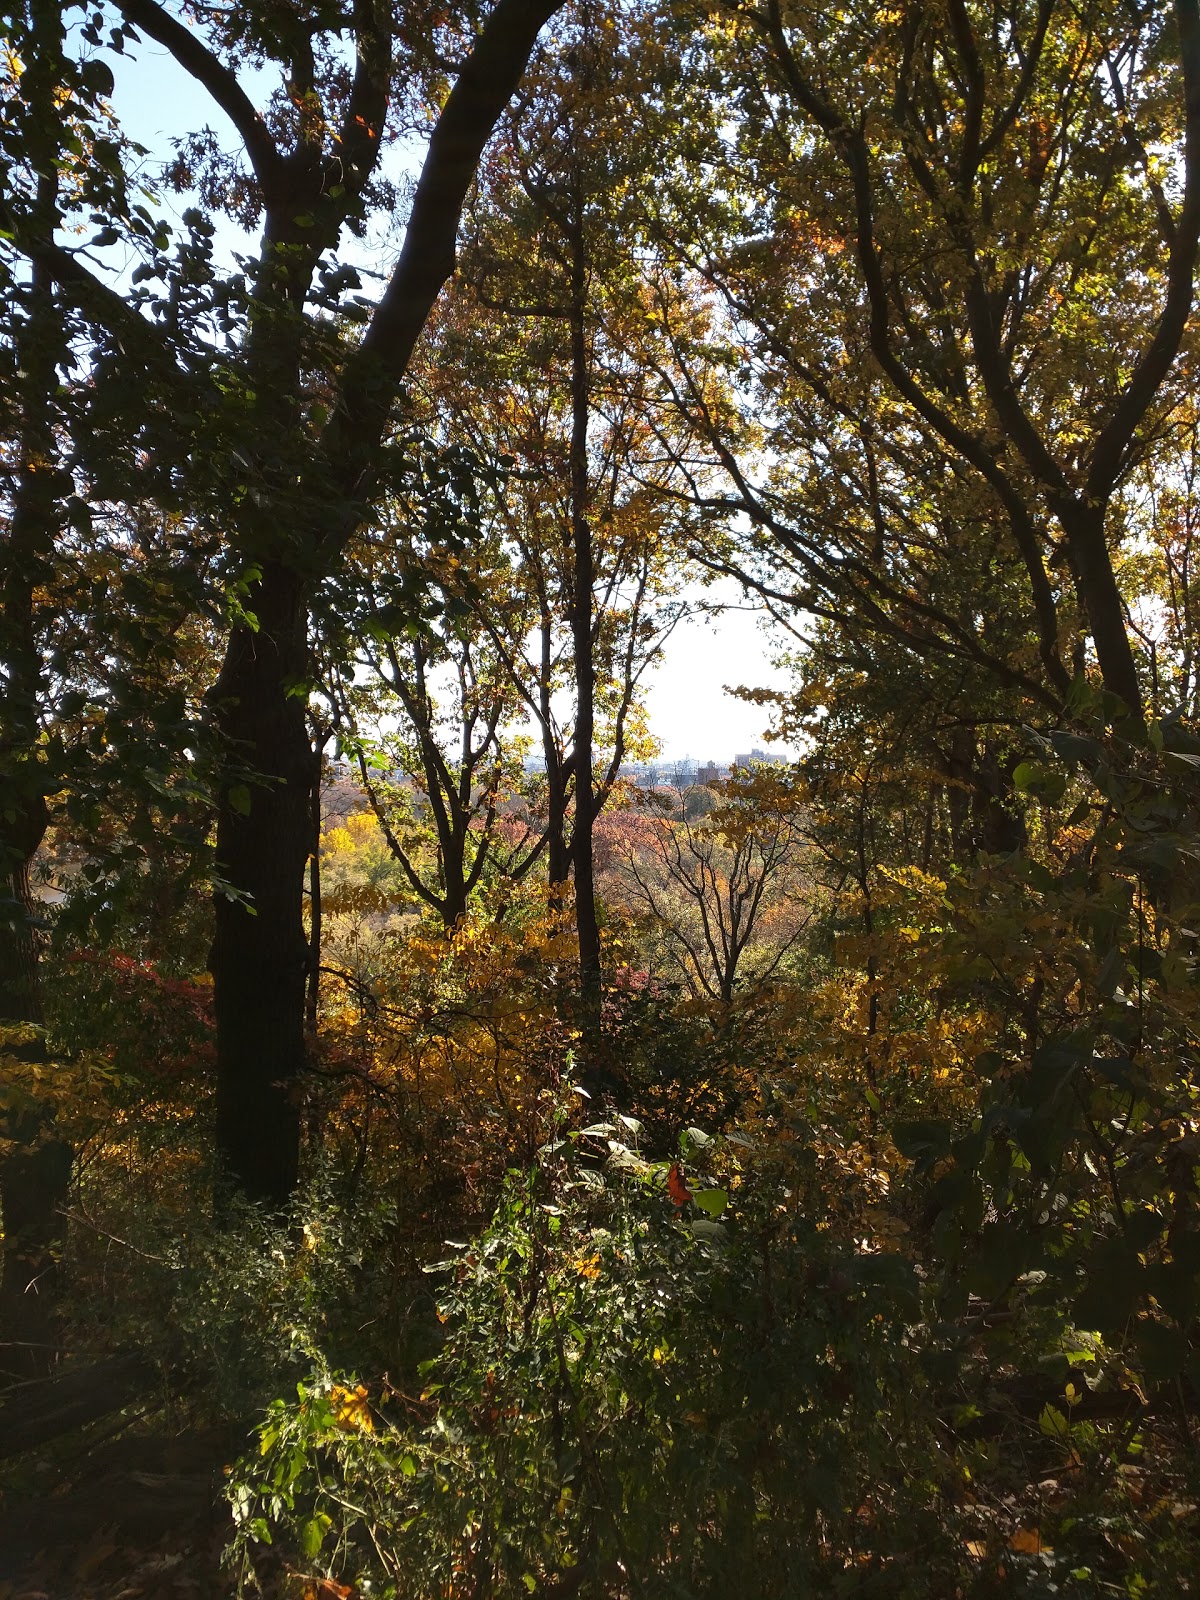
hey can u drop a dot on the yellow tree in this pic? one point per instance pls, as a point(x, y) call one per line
point(538, 360)
point(957, 248)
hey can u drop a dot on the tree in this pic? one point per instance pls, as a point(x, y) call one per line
point(33, 1175)
point(595, 533)
point(728, 888)
point(967, 212)
point(302, 457)
point(428, 713)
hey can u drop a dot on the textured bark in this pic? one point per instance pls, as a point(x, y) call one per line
point(1093, 569)
point(33, 1188)
point(260, 954)
point(558, 856)
point(35, 1174)
point(21, 833)
point(312, 1002)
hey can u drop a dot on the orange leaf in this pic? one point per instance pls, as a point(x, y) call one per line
point(676, 1188)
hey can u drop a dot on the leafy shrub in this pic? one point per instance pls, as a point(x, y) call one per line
point(636, 1395)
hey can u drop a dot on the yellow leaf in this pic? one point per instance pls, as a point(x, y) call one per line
point(350, 1408)
point(1028, 1542)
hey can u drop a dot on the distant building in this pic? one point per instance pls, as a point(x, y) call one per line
point(756, 755)
point(711, 772)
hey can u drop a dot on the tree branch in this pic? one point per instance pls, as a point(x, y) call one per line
point(197, 59)
point(1109, 451)
point(372, 376)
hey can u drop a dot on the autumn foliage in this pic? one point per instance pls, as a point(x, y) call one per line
point(509, 1163)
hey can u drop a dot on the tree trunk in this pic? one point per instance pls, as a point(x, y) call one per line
point(312, 1001)
point(980, 793)
point(558, 859)
point(1092, 565)
point(454, 876)
point(583, 577)
point(35, 1175)
point(259, 955)
point(999, 825)
point(20, 836)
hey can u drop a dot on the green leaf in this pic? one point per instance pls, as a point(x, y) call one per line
point(713, 1201)
point(239, 799)
point(313, 1535)
point(1031, 777)
point(706, 1228)
point(1053, 1424)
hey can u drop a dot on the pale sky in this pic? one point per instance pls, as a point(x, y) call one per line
point(689, 710)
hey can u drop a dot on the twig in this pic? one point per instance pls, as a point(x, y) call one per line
point(72, 1216)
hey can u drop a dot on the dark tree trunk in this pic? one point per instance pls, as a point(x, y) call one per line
point(259, 956)
point(983, 815)
point(20, 835)
point(558, 858)
point(35, 1175)
point(999, 824)
point(1093, 569)
point(959, 766)
point(454, 878)
point(312, 1001)
point(583, 581)
point(260, 952)
point(34, 1183)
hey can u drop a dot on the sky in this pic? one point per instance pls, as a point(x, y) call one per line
point(690, 711)
point(689, 707)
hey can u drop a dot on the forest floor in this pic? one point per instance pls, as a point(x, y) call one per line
point(140, 1516)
